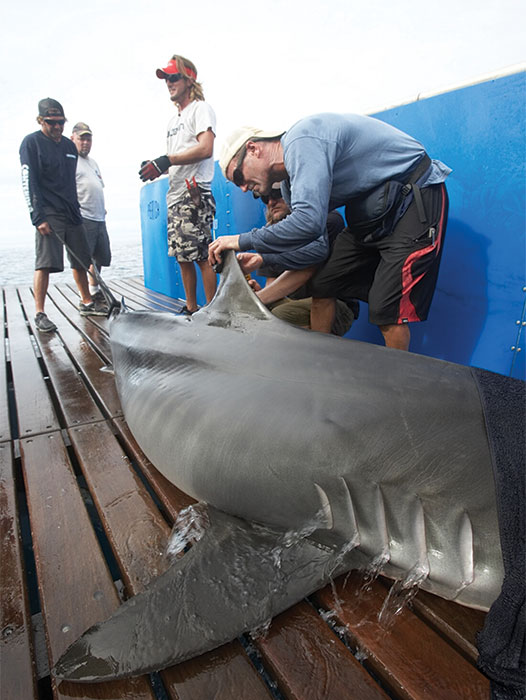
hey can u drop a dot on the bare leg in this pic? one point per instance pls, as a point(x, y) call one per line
point(396, 336)
point(92, 279)
point(209, 279)
point(81, 280)
point(322, 314)
point(189, 278)
point(40, 285)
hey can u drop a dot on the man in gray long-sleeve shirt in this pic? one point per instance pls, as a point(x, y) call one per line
point(327, 161)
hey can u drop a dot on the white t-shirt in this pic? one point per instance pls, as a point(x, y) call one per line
point(183, 130)
point(90, 189)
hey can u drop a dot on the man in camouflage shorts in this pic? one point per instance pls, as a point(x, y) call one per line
point(190, 164)
point(189, 227)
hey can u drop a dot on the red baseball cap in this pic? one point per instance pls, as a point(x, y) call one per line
point(172, 68)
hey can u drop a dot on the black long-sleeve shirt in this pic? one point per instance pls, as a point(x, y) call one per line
point(48, 177)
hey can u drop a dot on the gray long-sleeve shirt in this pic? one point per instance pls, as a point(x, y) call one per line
point(331, 158)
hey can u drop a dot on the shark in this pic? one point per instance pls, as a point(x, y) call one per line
point(311, 455)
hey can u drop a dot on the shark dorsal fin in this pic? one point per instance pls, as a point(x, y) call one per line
point(234, 299)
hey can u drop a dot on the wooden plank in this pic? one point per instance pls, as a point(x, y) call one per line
point(70, 292)
point(142, 298)
point(409, 657)
point(76, 589)
point(138, 535)
point(18, 667)
point(173, 499)
point(75, 401)
point(102, 383)
point(171, 303)
point(137, 279)
point(5, 427)
point(134, 526)
point(131, 295)
point(458, 624)
point(223, 674)
point(96, 336)
point(33, 403)
point(310, 662)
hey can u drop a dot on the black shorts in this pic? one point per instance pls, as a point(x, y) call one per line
point(397, 275)
point(98, 242)
point(49, 250)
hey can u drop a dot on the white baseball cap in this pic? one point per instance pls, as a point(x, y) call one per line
point(237, 139)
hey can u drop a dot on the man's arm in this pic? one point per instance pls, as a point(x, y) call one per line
point(152, 169)
point(30, 185)
point(313, 253)
point(285, 284)
point(202, 150)
point(309, 162)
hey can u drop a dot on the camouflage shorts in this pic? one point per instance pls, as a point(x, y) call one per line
point(190, 228)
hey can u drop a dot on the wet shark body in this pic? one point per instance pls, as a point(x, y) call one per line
point(314, 454)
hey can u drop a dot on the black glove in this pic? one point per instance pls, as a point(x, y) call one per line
point(152, 169)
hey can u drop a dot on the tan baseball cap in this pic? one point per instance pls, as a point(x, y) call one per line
point(81, 128)
point(237, 139)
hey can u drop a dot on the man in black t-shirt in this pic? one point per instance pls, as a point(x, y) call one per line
point(49, 162)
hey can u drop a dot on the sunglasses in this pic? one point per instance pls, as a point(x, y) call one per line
point(174, 78)
point(275, 194)
point(237, 177)
point(53, 122)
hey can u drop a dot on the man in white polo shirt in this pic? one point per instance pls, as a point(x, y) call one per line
point(92, 209)
point(189, 162)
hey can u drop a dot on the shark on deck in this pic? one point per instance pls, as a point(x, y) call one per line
point(314, 455)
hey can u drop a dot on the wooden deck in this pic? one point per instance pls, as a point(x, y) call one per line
point(84, 518)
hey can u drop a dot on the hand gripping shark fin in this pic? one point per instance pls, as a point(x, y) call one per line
point(233, 580)
point(234, 299)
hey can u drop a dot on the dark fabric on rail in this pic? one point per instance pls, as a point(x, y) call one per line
point(501, 643)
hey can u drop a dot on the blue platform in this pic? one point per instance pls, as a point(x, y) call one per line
point(478, 315)
point(235, 212)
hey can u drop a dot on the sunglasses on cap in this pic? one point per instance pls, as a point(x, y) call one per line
point(275, 194)
point(52, 122)
point(173, 77)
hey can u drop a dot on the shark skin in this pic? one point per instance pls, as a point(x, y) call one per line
point(314, 454)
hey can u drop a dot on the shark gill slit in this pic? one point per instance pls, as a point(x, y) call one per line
point(466, 548)
point(381, 520)
point(338, 510)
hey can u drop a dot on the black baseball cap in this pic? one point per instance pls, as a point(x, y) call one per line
point(49, 107)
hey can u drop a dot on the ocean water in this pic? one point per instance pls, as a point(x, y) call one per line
point(17, 263)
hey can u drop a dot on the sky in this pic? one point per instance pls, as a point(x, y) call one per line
point(263, 64)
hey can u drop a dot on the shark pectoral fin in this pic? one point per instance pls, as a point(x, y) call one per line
point(234, 579)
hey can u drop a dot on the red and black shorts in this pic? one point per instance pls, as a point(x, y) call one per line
point(396, 275)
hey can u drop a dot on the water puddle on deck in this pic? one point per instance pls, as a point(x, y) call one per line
point(400, 594)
